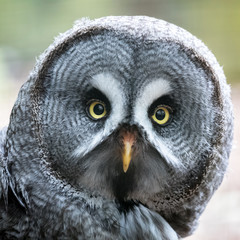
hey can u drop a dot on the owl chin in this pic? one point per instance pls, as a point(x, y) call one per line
point(125, 167)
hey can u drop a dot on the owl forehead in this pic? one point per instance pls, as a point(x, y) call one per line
point(91, 55)
point(133, 62)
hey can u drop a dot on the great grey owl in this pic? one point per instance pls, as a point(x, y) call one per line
point(122, 131)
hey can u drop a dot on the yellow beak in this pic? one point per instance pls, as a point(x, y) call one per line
point(127, 150)
point(127, 155)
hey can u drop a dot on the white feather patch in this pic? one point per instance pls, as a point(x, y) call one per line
point(152, 92)
point(88, 146)
point(112, 89)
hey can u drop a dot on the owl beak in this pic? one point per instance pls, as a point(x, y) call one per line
point(128, 142)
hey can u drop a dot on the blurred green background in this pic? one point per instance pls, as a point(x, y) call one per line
point(27, 27)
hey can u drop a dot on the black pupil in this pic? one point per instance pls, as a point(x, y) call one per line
point(98, 109)
point(160, 114)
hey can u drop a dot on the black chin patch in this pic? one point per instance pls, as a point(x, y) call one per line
point(124, 183)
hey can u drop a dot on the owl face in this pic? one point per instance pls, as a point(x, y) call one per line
point(128, 117)
point(123, 129)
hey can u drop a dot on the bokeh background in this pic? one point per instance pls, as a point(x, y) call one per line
point(27, 27)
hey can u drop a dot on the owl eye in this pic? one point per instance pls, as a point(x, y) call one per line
point(97, 109)
point(161, 115)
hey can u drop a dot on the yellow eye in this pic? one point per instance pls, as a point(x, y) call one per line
point(97, 109)
point(161, 115)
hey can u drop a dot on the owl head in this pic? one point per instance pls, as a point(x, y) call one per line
point(134, 109)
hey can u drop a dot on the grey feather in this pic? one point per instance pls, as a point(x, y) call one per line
point(61, 170)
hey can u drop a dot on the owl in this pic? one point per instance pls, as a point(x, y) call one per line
point(122, 131)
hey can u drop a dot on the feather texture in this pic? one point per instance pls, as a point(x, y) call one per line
point(61, 170)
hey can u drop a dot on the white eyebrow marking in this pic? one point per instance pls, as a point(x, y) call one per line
point(112, 89)
point(152, 92)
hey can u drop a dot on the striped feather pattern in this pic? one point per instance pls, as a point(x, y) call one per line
point(64, 169)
